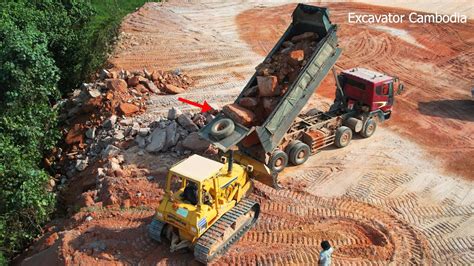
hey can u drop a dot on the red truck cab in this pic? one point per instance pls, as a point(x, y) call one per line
point(368, 88)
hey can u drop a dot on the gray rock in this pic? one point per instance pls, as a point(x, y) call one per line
point(150, 177)
point(171, 135)
point(110, 151)
point(119, 135)
point(94, 93)
point(104, 74)
point(157, 140)
point(187, 123)
point(73, 111)
point(104, 142)
point(81, 165)
point(90, 133)
point(110, 122)
point(173, 113)
point(195, 143)
point(140, 153)
point(126, 122)
point(141, 141)
point(144, 131)
point(151, 87)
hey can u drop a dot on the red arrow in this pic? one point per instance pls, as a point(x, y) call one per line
point(205, 107)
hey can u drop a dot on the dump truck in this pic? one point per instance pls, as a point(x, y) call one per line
point(205, 207)
point(363, 99)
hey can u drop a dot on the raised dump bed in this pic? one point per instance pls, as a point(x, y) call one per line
point(282, 85)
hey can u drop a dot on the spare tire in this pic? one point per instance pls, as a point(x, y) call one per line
point(222, 128)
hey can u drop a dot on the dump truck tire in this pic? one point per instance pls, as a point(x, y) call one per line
point(343, 137)
point(222, 128)
point(278, 161)
point(369, 128)
point(299, 153)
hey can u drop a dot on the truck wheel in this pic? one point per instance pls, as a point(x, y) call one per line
point(222, 128)
point(278, 161)
point(369, 128)
point(343, 137)
point(299, 153)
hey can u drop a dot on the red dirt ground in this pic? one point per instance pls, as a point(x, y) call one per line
point(436, 109)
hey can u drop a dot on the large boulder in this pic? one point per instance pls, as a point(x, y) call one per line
point(171, 135)
point(239, 114)
point(128, 108)
point(117, 85)
point(157, 140)
point(267, 86)
point(195, 143)
point(187, 123)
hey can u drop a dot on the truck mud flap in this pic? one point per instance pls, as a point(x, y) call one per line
point(226, 143)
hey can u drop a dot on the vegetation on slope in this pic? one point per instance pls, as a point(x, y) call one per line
point(46, 49)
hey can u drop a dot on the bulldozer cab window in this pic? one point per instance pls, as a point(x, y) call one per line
point(176, 183)
point(190, 193)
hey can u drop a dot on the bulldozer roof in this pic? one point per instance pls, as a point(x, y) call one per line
point(366, 74)
point(197, 168)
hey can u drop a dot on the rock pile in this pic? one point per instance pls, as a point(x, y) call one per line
point(274, 76)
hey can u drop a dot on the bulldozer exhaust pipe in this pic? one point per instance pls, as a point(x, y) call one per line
point(230, 162)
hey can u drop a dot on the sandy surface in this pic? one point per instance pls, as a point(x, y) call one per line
point(390, 198)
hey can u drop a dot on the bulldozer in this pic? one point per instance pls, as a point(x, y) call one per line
point(205, 207)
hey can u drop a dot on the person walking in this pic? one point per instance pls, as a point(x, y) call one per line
point(325, 254)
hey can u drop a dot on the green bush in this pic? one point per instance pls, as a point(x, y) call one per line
point(44, 45)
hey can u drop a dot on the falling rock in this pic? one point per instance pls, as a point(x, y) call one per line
point(110, 151)
point(157, 140)
point(267, 85)
point(239, 114)
point(195, 143)
point(171, 135)
point(173, 113)
point(187, 123)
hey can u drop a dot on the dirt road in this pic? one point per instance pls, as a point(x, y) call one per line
point(380, 200)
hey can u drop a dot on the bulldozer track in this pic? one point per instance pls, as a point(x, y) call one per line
point(204, 251)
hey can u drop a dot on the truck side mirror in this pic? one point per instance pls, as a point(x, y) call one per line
point(401, 87)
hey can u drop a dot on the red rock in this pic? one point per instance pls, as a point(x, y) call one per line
point(248, 102)
point(116, 85)
point(141, 88)
point(304, 36)
point(51, 239)
point(155, 76)
point(128, 108)
point(133, 81)
point(269, 104)
point(297, 55)
point(169, 88)
point(267, 85)
point(75, 135)
point(126, 203)
point(239, 114)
